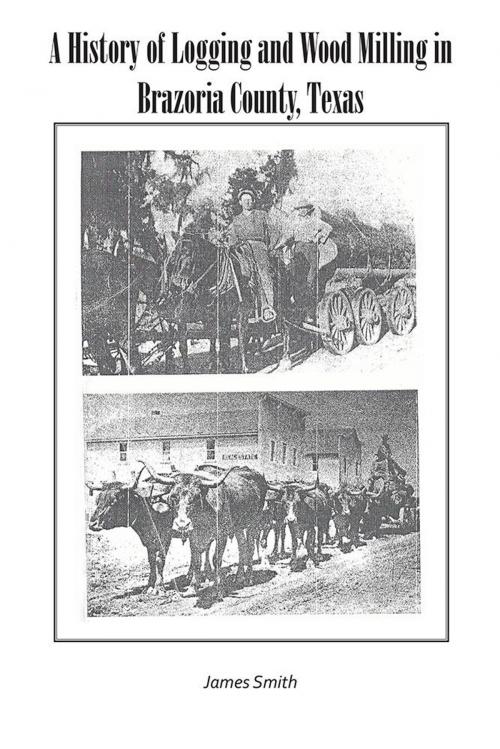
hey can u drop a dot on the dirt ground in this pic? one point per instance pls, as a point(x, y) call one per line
point(390, 353)
point(382, 577)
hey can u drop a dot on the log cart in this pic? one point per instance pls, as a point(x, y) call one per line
point(119, 312)
point(358, 306)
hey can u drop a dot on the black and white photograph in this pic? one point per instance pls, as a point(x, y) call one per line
point(252, 503)
point(197, 261)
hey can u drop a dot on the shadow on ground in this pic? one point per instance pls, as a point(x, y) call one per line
point(208, 596)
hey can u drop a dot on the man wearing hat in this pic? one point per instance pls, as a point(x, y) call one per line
point(384, 453)
point(313, 237)
point(251, 228)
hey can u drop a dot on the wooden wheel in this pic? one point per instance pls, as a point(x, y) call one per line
point(367, 316)
point(336, 318)
point(401, 311)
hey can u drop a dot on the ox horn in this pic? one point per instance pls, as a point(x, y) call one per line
point(93, 488)
point(306, 487)
point(210, 481)
point(167, 481)
point(274, 487)
point(133, 487)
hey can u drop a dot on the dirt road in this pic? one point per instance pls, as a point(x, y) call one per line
point(382, 578)
point(391, 352)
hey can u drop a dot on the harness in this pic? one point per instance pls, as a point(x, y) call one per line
point(226, 275)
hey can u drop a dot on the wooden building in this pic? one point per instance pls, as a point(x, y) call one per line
point(260, 430)
point(253, 429)
point(334, 454)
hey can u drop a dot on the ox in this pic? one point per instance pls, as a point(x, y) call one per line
point(349, 506)
point(376, 507)
point(306, 507)
point(209, 505)
point(357, 504)
point(393, 500)
point(324, 516)
point(274, 518)
point(121, 506)
point(341, 519)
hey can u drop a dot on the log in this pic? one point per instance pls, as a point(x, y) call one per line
point(346, 274)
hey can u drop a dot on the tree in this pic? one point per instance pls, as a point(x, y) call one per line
point(278, 172)
point(269, 183)
point(171, 188)
point(123, 191)
point(113, 197)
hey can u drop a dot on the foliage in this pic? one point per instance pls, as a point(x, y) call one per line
point(170, 189)
point(113, 190)
point(126, 190)
point(120, 189)
point(359, 243)
point(269, 183)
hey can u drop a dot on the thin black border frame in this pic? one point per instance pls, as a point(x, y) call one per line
point(444, 124)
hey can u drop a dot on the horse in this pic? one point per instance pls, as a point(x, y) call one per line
point(204, 283)
point(111, 288)
point(199, 282)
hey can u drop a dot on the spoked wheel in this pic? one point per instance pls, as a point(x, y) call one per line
point(401, 311)
point(336, 318)
point(368, 316)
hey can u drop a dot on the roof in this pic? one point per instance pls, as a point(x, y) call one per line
point(232, 414)
point(322, 439)
point(176, 426)
point(282, 402)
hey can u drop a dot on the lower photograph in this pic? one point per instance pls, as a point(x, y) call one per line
point(217, 504)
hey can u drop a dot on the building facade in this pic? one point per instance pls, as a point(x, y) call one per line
point(261, 431)
point(333, 454)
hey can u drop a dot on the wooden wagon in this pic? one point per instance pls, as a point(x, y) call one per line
point(357, 307)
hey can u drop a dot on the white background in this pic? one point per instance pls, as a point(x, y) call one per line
point(123, 694)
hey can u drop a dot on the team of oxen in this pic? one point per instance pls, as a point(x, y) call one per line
point(212, 505)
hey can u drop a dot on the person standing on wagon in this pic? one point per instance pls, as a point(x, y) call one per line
point(250, 230)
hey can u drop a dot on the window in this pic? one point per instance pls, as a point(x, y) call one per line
point(123, 451)
point(314, 462)
point(272, 454)
point(165, 448)
point(155, 413)
point(283, 453)
point(345, 466)
point(211, 448)
point(294, 456)
point(357, 468)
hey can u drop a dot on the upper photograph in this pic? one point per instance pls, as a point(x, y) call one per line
point(197, 262)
